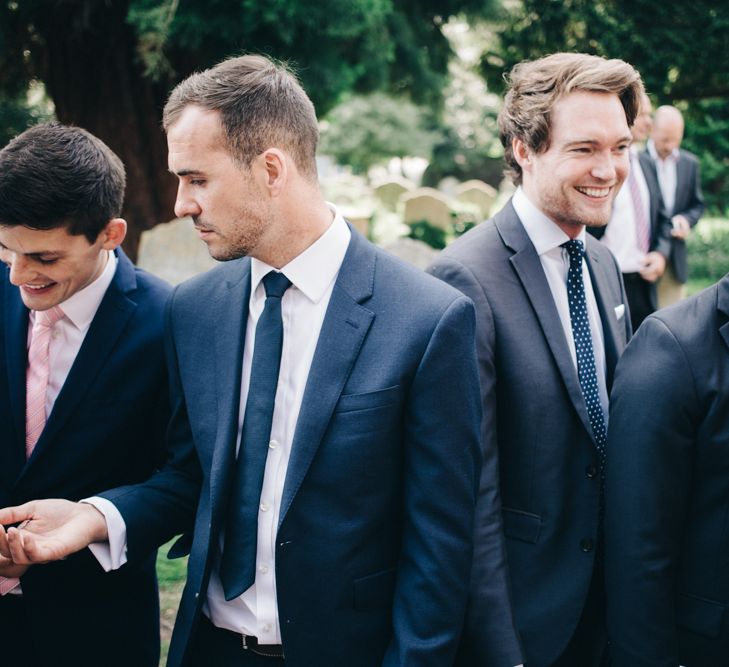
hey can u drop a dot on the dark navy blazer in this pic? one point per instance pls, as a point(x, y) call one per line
point(106, 428)
point(667, 521)
point(374, 541)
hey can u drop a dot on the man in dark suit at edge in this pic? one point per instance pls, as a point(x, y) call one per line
point(551, 321)
point(327, 507)
point(83, 393)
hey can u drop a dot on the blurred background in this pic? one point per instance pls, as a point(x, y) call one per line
point(407, 92)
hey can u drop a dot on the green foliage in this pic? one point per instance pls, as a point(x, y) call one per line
point(708, 251)
point(427, 233)
point(680, 49)
point(366, 130)
point(17, 114)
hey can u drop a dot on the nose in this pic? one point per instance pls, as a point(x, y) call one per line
point(607, 166)
point(20, 271)
point(185, 204)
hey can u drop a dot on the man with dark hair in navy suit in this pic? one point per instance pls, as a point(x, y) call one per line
point(324, 446)
point(83, 393)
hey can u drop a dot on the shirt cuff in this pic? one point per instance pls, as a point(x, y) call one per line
point(113, 553)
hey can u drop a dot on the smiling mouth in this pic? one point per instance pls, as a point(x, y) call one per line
point(38, 287)
point(595, 193)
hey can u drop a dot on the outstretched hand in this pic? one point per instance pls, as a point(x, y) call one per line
point(48, 530)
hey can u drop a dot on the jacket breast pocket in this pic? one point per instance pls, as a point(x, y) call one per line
point(520, 525)
point(368, 400)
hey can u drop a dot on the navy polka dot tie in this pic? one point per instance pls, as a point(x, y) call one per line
point(586, 371)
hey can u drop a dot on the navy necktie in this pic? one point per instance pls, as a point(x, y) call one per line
point(238, 565)
point(586, 370)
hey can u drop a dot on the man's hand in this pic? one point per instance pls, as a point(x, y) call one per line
point(654, 264)
point(681, 227)
point(49, 530)
point(11, 570)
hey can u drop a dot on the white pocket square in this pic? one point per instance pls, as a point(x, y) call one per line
point(620, 311)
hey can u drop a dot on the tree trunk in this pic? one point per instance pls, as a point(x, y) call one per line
point(94, 76)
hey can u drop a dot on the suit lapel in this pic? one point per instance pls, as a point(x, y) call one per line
point(606, 298)
point(15, 323)
point(723, 307)
point(115, 310)
point(529, 269)
point(229, 320)
point(343, 331)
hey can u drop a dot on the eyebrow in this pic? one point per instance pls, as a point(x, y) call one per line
point(37, 253)
point(186, 172)
point(593, 142)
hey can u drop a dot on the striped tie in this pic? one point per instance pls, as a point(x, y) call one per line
point(36, 383)
point(37, 375)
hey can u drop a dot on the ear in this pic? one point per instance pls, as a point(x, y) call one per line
point(276, 169)
point(113, 234)
point(522, 154)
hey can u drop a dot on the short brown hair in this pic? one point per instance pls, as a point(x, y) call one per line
point(261, 105)
point(54, 176)
point(535, 86)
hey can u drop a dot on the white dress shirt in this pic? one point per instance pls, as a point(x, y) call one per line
point(620, 234)
point(666, 169)
point(547, 238)
point(303, 307)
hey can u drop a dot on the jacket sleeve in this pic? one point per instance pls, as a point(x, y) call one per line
point(653, 415)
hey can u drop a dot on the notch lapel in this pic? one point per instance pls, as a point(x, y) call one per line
point(110, 320)
point(722, 301)
point(343, 331)
point(529, 269)
point(606, 300)
point(15, 325)
point(229, 320)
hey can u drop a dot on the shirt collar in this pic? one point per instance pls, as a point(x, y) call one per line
point(673, 155)
point(313, 271)
point(81, 307)
point(544, 234)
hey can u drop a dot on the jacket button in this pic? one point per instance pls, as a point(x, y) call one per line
point(586, 545)
point(591, 471)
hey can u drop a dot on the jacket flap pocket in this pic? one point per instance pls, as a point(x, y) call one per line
point(523, 526)
point(374, 590)
point(698, 615)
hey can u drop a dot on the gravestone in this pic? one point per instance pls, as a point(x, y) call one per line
point(427, 204)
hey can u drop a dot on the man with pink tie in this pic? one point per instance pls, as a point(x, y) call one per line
point(83, 392)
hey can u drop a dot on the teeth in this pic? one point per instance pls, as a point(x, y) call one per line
point(594, 192)
point(38, 286)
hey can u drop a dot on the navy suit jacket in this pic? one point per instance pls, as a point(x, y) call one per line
point(689, 203)
point(374, 542)
point(535, 418)
point(667, 559)
point(105, 429)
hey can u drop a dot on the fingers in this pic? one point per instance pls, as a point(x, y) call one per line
point(17, 514)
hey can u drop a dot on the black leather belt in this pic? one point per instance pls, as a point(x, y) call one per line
point(248, 642)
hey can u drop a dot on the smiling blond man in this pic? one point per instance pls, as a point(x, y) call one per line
point(551, 321)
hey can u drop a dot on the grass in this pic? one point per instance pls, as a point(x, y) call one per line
point(171, 575)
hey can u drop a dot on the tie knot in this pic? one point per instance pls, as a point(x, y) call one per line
point(575, 249)
point(47, 318)
point(275, 284)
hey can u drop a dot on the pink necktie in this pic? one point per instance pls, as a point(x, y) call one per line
point(36, 383)
point(642, 230)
